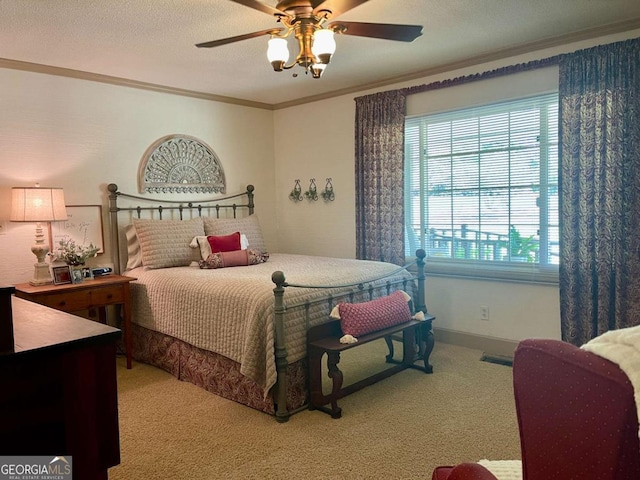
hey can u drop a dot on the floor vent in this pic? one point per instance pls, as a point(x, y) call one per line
point(498, 359)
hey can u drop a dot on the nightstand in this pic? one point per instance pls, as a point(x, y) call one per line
point(97, 293)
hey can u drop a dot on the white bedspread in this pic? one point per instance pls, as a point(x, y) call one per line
point(623, 348)
point(230, 310)
point(503, 469)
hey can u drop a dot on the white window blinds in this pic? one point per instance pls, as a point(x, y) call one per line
point(482, 184)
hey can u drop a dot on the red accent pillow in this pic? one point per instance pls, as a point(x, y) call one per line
point(224, 243)
point(357, 319)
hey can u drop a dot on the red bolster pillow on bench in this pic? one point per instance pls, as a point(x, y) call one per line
point(357, 319)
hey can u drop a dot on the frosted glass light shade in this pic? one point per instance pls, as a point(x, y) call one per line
point(34, 204)
point(317, 69)
point(324, 45)
point(278, 52)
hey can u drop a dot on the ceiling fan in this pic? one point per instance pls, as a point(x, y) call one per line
point(307, 21)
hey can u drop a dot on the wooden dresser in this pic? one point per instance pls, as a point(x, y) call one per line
point(59, 390)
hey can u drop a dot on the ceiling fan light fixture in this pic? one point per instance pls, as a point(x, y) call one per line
point(324, 45)
point(306, 21)
point(278, 53)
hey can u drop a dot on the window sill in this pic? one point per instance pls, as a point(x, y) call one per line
point(512, 272)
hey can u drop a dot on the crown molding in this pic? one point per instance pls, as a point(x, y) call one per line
point(125, 82)
point(551, 42)
point(556, 41)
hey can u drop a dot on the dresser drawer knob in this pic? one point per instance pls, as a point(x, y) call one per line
point(110, 296)
point(63, 303)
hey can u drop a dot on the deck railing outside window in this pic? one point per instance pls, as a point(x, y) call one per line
point(481, 184)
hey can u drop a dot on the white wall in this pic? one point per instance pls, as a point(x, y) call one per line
point(517, 311)
point(326, 151)
point(82, 135)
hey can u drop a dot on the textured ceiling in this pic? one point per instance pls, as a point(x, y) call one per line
point(153, 41)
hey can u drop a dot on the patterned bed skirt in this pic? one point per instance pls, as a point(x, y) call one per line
point(214, 372)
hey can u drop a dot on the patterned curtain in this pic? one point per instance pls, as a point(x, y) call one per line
point(379, 176)
point(599, 190)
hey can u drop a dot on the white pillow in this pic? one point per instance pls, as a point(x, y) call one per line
point(165, 243)
point(205, 246)
point(134, 254)
point(250, 226)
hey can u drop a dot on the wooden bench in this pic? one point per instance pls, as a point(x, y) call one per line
point(417, 341)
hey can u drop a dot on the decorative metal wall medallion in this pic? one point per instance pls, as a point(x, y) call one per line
point(180, 164)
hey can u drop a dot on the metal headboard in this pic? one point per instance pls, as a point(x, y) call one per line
point(217, 205)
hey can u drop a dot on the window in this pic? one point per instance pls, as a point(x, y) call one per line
point(481, 191)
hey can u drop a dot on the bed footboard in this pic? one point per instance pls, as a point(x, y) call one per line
point(419, 305)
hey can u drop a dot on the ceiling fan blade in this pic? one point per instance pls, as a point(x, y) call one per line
point(237, 38)
point(387, 31)
point(337, 7)
point(268, 9)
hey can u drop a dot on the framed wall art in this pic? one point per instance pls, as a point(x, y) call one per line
point(83, 225)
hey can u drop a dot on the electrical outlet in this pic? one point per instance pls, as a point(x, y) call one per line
point(484, 313)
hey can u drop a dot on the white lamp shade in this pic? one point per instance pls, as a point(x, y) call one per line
point(277, 50)
point(34, 204)
point(323, 42)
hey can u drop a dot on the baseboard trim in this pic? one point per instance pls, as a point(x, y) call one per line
point(499, 347)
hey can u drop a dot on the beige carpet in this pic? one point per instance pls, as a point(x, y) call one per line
point(400, 428)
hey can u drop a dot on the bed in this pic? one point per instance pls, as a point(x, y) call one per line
point(238, 332)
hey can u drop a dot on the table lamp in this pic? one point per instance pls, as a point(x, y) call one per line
point(35, 204)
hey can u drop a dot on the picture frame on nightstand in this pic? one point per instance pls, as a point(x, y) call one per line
point(76, 275)
point(87, 273)
point(61, 275)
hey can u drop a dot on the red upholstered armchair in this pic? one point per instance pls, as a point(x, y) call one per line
point(576, 414)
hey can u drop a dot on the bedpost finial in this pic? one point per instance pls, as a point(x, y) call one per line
point(421, 254)
point(112, 187)
point(250, 188)
point(278, 278)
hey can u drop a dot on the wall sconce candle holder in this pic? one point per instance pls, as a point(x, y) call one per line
point(312, 193)
point(327, 193)
point(296, 193)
